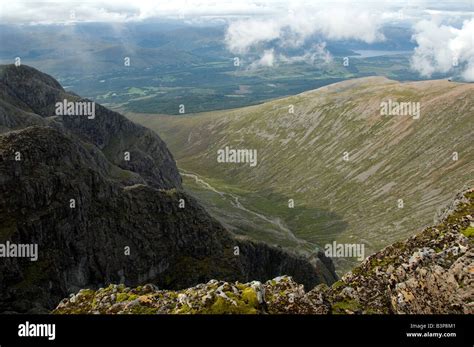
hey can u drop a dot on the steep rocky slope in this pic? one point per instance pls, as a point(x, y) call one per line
point(431, 272)
point(29, 97)
point(301, 157)
point(126, 223)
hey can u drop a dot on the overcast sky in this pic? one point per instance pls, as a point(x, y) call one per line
point(135, 10)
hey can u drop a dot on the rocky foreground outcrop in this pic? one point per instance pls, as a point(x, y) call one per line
point(431, 272)
point(97, 218)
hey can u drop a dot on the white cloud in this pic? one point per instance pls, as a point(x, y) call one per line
point(291, 28)
point(243, 34)
point(443, 48)
point(57, 11)
point(347, 23)
point(318, 54)
point(295, 26)
point(468, 73)
point(266, 60)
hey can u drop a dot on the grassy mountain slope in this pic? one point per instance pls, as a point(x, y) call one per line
point(300, 157)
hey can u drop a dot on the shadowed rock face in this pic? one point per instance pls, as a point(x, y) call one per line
point(119, 206)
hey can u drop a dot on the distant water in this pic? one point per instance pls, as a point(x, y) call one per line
point(368, 53)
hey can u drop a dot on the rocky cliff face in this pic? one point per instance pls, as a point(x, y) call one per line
point(431, 272)
point(98, 218)
point(29, 97)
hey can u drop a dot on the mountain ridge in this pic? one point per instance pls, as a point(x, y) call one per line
point(98, 218)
